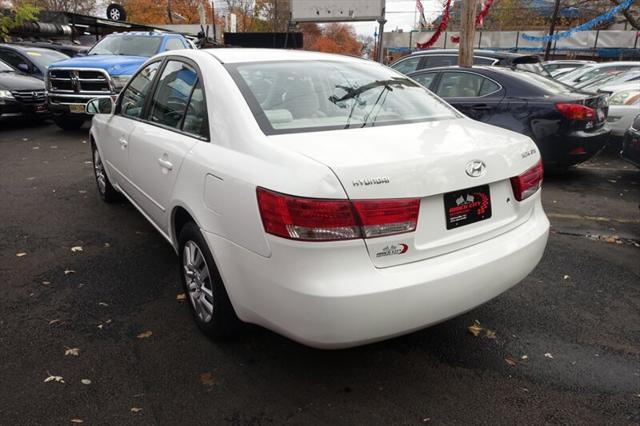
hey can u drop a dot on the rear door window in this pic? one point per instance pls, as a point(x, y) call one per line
point(173, 93)
point(465, 85)
point(195, 120)
point(425, 79)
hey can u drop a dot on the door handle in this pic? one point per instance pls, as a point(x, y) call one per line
point(480, 107)
point(166, 164)
point(123, 142)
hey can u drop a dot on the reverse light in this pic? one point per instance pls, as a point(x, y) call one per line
point(527, 183)
point(576, 112)
point(313, 219)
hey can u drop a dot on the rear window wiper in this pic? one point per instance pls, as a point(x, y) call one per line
point(354, 92)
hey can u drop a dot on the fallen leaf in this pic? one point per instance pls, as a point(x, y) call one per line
point(511, 361)
point(548, 355)
point(107, 245)
point(524, 357)
point(46, 282)
point(85, 381)
point(145, 334)
point(475, 328)
point(20, 254)
point(102, 304)
point(77, 421)
point(53, 321)
point(82, 191)
point(426, 420)
point(612, 239)
point(53, 378)
point(490, 334)
point(136, 409)
point(36, 147)
point(566, 277)
point(72, 352)
point(207, 379)
point(69, 271)
point(181, 297)
point(76, 249)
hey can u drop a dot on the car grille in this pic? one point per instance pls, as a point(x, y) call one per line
point(78, 81)
point(29, 96)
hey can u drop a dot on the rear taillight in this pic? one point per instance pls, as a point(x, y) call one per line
point(576, 112)
point(387, 217)
point(526, 184)
point(313, 219)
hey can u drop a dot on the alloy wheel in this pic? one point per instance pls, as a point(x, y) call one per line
point(98, 167)
point(198, 279)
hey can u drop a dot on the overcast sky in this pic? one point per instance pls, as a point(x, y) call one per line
point(401, 15)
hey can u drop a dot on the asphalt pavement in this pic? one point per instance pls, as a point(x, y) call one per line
point(92, 329)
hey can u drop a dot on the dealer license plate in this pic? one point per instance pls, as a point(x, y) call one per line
point(467, 206)
point(76, 109)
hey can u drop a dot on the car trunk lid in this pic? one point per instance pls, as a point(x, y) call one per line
point(426, 161)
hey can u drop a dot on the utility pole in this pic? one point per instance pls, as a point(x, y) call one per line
point(467, 33)
point(552, 29)
point(381, 22)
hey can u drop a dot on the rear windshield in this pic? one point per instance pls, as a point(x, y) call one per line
point(543, 83)
point(304, 96)
point(127, 45)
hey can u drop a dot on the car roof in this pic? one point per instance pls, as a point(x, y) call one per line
point(615, 64)
point(239, 55)
point(477, 52)
point(486, 68)
point(569, 61)
point(26, 48)
point(631, 85)
point(143, 33)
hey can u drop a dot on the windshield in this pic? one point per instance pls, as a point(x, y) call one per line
point(5, 68)
point(303, 96)
point(546, 84)
point(576, 73)
point(43, 58)
point(128, 45)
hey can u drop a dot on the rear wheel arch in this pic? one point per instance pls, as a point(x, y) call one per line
point(180, 216)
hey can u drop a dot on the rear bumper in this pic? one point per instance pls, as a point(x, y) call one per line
point(331, 296)
point(574, 147)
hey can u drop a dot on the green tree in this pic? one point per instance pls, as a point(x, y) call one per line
point(16, 16)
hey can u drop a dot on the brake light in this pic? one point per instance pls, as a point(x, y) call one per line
point(313, 219)
point(526, 184)
point(576, 112)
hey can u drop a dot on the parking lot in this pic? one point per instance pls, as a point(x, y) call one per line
point(93, 327)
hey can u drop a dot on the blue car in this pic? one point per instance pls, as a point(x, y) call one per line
point(103, 72)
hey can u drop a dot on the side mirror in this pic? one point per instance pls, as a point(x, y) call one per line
point(24, 68)
point(636, 123)
point(99, 106)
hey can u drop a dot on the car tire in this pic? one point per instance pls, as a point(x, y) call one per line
point(107, 192)
point(205, 292)
point(68, 123)
point(116, 12)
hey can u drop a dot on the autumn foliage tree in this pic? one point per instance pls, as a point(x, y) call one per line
point(156, 12)
point(331, 38)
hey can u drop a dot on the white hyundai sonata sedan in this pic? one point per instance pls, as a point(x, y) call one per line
point(327, 198)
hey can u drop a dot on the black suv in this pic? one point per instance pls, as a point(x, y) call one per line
point(435, 58)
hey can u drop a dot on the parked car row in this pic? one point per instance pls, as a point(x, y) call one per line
point(570, 108)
